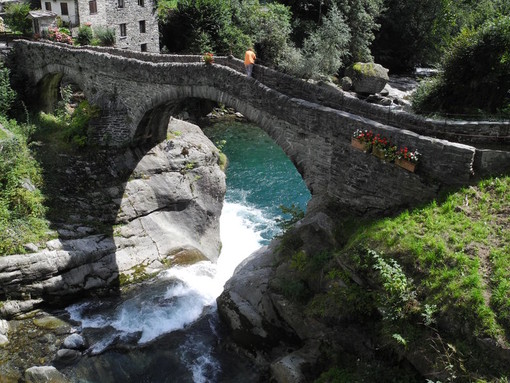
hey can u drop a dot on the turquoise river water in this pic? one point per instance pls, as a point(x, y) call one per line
point(167, 330)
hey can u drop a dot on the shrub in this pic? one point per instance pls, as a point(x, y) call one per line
point(84, 35)
point(21, 202)
point(7, 95)
point(475, 73)
point(16, 17)
point(105, 35)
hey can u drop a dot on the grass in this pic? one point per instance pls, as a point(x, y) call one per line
point(458, 252)
point(434, 280)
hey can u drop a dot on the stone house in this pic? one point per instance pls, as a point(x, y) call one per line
point(134, 21)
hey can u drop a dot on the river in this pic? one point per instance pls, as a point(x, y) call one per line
point(167, 329)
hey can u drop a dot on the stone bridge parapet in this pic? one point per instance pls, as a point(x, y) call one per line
point(136, 92)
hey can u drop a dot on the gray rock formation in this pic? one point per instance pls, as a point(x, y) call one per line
point(120, 218)
point(44, 374)
point(261, 319)
point(367, 78)
point(74, 342)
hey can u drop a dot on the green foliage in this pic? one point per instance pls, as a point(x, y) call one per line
point(21, 203)
point(444, 244)
point(7, 94)
point(85, 35)
point(292, 214)
point(324, 51)
point(398, 289)
point(475, 73)
point(423, 29)
point(16, 17)
point(271, 32)
point(198, 26)
point(65, 127)
point(105, 36)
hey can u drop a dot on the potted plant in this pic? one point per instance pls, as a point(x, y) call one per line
point(380, 146)
point(208, 58)
point(407, 159)
point(362, 140)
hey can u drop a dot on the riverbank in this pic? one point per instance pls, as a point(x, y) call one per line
point(419, 296)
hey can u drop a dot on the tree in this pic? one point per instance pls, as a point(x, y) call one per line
point(272, 33)
point(16, 17)
point(361, 16)
point(413, 33)
point(326, 49)
point(475, 73)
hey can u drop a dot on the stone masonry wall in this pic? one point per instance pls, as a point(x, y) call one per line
point(109, 14)
point(315, 137)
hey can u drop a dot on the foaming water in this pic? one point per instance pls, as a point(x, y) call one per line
point(178, 296)
point(169, 324)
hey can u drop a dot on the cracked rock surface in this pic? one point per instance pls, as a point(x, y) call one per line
point(118, 216)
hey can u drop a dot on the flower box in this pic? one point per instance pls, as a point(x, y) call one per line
point(404, 164)
point(360, 145)
point(378, 152)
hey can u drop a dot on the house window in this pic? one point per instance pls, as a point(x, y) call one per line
point(93, 7)
point(120, 3)
point(142, 26)
point(141, 3)
point(63, 9)
point(143, 47)
point(123, 31)
point(47, 5)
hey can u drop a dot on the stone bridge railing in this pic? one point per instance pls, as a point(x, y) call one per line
point(137, 92)
point(480, 133)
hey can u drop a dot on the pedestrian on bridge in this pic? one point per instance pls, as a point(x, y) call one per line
point(249, 61)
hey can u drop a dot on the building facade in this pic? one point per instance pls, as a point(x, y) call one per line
point(134, 21)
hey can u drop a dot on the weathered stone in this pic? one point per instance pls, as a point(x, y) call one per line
point(65, 356)
point(44, 374)
point(4, 326)
point(291, 367)
point(171, 202)
point(74, 342)
point(3, 340)
point(50, 322)
point(367, 77)
point(30, 247)
point(346, 83)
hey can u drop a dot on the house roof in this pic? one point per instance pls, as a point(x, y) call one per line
point(40, 14)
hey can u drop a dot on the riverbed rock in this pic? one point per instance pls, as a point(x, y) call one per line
point(74, 342)
point(120, 217)
point(44, 374)
point(66, 356)
point(367, 78)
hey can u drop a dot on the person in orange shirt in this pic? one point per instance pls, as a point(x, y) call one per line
point(249, 61)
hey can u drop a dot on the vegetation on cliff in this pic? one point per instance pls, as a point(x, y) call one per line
point(429, 286)
point(22, 211)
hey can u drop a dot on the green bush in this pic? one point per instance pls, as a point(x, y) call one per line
point(7, 95)
point(105, 35)
point(16, 17)
point(475, 73)
point(22, 213)
point(85, 35)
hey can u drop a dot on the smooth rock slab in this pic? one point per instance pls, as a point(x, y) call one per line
point(74, 342)
point(44, 374)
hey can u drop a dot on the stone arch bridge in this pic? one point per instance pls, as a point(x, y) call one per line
point(312, 123)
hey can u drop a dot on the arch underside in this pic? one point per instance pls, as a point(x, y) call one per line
point(152, 126)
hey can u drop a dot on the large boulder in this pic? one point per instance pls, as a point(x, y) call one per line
point(120, 217)
point(367, 78)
